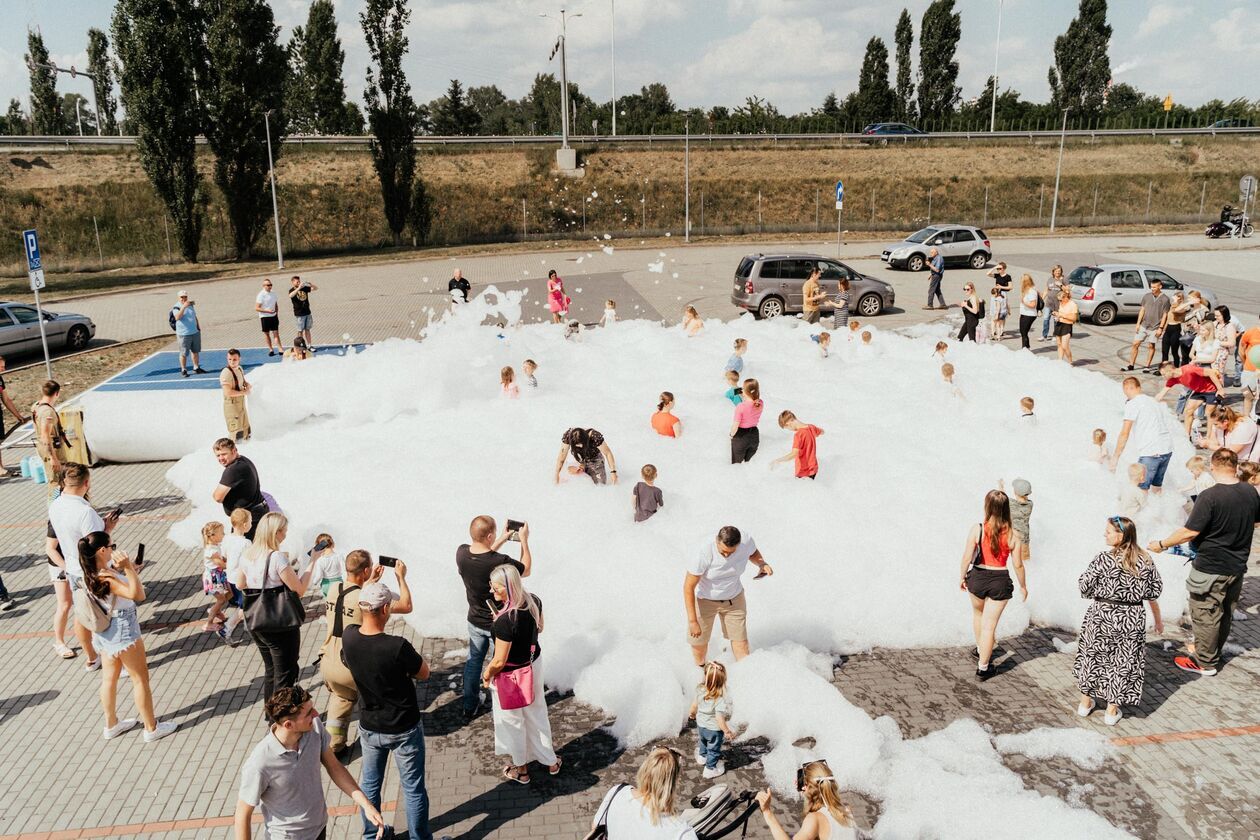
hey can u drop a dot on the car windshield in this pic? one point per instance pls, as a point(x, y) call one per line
point(923, 235)
point(1083, 276)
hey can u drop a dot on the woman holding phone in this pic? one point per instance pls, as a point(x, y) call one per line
point(111, 581)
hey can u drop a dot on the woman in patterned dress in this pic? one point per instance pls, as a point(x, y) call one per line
point(1111, 654)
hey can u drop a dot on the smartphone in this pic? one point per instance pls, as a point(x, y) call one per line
point(514, 529)
point(139, 561)
point(116, 513)
point(739, 392)
point(759, 575)
point(319, 546)
point(388, 561)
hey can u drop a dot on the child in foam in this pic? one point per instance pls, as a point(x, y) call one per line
point(711, 709)
point(528, 367)
point(692, 325)
point(647, 497)
point(507, 383)
point(610, 314)
point(733, 390)
point(214, 580)
point(1098, 452)
point(804, 449)
point(825, 814)
point(664, 422)
point(736, 361)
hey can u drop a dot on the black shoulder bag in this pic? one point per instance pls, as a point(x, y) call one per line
point(272, 607)
point(600, 831)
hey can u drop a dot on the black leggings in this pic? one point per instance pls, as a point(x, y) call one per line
point(744, 445)
point(1171, 345)
point(279, 649)
point(1025, 324)
point(970, 322)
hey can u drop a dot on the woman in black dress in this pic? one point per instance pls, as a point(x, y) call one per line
point(973, 311)
point(1111, 653)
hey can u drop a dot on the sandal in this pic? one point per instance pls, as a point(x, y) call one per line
point(555, 768)
point(64, 651)
point(1083, 711)
point(519, 778)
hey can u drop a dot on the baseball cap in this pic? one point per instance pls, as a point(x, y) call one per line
point(1021, 487)
point(183, 293)
point(375, 595)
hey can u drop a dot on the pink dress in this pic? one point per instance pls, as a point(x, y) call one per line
point(557, 300)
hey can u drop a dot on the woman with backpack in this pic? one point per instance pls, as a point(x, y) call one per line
point(984, 576)
point(522, 730)
point(107, 606)
point(645, 811)
point(825, 818)
point(1030, 303)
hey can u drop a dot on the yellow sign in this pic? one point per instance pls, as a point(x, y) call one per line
point(1168, 103)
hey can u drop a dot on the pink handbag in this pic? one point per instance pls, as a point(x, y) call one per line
point(515, 688)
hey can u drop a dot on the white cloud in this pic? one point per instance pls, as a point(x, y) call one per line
point(1237, 31)
point(1160, 16)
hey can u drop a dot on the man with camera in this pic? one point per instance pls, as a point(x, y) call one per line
point(385, 669)
point(475, 561)
point(343, 612)
point(300, 296)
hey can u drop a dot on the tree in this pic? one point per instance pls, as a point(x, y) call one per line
point(155, 43)
point(351, 119)
point(452, 113)
point(298, 107)
point(1082, 67)
point(318, 53)
point(496, 113)
point(939, 34)
point(392, 113)
point(74, 116)
point(875, 101)
point(98, 66)
point(45, 105)
point(420, 215)
point(830, 107)
point(904, 36)
point(243, 80)
point(15, 122)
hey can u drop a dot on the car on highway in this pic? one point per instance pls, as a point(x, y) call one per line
point(1232, 123)
point(881, 132)
point(769, 285)
point(19, 329)
point(1106, 292)
point(958, 244)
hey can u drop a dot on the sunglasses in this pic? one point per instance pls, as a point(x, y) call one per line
point(800, 776)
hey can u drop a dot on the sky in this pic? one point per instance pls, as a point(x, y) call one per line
point(718, 52)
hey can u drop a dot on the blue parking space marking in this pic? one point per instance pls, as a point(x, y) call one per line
point(160, 372)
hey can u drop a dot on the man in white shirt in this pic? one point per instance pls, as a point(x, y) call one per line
point(269, 317)
point(72, 519)
point(712, 588)
point(1144, 421)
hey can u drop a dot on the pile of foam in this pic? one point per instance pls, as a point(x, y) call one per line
point(396, 448)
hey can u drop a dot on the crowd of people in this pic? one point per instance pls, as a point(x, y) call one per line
point(257, 588)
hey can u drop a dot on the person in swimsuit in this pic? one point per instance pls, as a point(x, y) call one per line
point(984, 576)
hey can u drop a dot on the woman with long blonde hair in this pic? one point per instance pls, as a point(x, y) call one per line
point(265, 566)
point(522, 732)
point(646, 811)
point(825, 817)
point(1111, 649)
point(1028, 303)
point(984, 577)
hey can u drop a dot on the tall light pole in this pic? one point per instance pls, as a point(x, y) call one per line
point(74, 74)
point(687, 181)
point(564, 77)
point(271, 168)
point(996, 45)
point(612, 43)
point(1054, 207)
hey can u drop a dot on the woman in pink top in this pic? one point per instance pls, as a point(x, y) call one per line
point(557, 301)
point(744, 435)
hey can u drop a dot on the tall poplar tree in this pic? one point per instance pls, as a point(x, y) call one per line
point(156, 42)
point(98, 66)
point(939, 34)
point(1082, 67)
point(45, 103)
point(391, 112)
point(904, 36)
point(316, 99)
point(874, 101)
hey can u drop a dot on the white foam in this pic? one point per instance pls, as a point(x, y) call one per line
point(1084, 747)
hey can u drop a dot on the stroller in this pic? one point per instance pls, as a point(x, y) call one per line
point(714, 813)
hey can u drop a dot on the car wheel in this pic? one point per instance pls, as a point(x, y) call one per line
point(1104, 315)
point(979, 259)
point(77, 338)
point(915, 263)
point(883, 142)
point(771, 307)
point(870, 305)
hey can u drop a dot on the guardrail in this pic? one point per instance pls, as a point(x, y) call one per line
point(69, 142)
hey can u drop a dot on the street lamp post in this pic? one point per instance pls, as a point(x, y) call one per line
point(74, 74)
point(996, 45)
point(1054, 207)
point(612, 43)
point(271, 169)
point(564, 77)
point(687, 181)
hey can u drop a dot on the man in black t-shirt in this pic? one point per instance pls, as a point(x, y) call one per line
point(1221, 527)
point(458, 287)
point(385, 669)
point(238, 486)
point(300, 296)
point(590, 450)
point(475, 562)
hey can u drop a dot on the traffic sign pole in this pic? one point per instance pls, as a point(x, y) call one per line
point(839, 215)
point(35, 267)
point(43, 336)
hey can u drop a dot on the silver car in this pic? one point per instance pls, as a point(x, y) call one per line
point(769, 285)
point(958, 244)
point(1103, 293)
point(19, 329)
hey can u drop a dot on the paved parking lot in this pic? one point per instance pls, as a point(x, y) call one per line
point(1186, 766)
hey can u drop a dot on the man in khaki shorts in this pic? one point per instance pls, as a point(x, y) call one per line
point(712, 588)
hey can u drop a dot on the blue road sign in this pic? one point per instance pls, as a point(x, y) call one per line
point(31, 243)
point(839, 192)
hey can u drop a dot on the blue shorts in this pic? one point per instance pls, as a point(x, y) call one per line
point(304, 322)
point(123, 632)
point(1155, 466)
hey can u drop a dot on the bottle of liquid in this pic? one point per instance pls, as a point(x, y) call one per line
point(26, 466)
point(38, 473)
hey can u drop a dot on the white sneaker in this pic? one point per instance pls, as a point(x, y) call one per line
point(163, 729)
point(111, 732)
point(1112, 721)
point(1082, 710)
point(699, 758)
point(715, 772)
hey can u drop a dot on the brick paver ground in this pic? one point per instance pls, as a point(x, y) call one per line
point(1186, 764)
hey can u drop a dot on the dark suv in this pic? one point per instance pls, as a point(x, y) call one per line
point(769, 285)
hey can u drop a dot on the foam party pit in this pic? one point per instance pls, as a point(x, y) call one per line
point(396, 448)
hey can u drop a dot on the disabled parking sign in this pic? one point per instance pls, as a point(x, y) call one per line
point(34, 262)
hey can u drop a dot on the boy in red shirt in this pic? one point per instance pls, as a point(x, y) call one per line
point(1204, 385)
point(804, 445)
